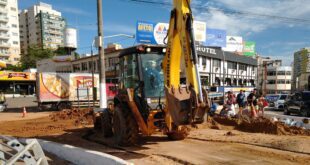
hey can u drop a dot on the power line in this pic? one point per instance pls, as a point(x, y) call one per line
point(229, 11)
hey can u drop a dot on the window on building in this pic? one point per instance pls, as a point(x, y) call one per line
point(271, 73)
point(16, 59)
point(76, 68)
point(281, 73)
point(14, 25)
point(15, 42)
point(271, 82)
point(15, 34)
point(288, 82)
point(204, 61)
point(232, 65)
point(288, 73)
point(13, 8)
point(242, 67)
point(280, 81)
point(216, 63)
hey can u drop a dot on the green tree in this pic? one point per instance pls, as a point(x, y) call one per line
point(34, 54)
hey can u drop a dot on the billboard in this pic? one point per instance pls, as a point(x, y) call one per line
point(70, 38)
point(200, 31)
point(215, 38)
point(249, 48)
point(155, 33)
point(17, 76)
point(234, 44)
point(151, 33)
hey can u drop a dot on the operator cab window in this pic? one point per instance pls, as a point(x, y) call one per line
point(129, 76)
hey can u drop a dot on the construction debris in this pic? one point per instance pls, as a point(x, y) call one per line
point(261, 125)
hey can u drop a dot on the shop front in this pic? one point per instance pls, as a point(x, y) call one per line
point(17, 83)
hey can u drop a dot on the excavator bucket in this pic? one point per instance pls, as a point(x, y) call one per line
point(184, 107)
point(179, 105)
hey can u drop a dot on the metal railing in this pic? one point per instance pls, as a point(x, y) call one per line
point(12, 152)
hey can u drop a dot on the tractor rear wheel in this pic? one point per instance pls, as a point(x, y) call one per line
point(124, 126)
point(106, 123)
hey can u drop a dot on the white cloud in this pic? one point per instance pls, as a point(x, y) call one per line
point(118, 28)
point(256, 15)
point(75, 11)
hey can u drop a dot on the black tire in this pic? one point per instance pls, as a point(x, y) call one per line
point(286, 111)
point(304, 113)
point(179, 134)
point(63, 105)
point(106, 123)
point(125, 127)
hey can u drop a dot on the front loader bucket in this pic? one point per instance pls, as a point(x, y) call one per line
point(179, 105)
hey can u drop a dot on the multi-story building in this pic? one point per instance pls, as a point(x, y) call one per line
point(278, 80)
point(42, 26)
point(262, 68)
point(301, 67)
point(9, 32)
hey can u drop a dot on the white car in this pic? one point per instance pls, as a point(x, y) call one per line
point(276, 101)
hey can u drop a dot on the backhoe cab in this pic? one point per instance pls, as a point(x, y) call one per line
point(150, 96)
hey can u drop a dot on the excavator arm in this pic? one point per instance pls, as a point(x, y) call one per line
point(184, 105)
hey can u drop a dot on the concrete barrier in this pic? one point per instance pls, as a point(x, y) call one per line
point(80, 156)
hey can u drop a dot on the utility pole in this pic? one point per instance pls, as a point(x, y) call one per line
point(102, 86)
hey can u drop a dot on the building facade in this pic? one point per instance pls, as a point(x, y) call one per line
point(9, 32)
point(226, 70)
point(42, 26)
point(301, 67)
point(278, 80)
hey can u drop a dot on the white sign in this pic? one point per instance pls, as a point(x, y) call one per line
point(160, 32)
point(234, 44)
point(200, 29)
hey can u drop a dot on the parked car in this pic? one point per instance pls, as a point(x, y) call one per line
point(298, 103)
point(276, 101)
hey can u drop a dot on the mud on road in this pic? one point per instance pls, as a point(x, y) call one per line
point(213, 143)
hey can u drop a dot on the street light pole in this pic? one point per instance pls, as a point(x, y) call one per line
point(102, 86)
point(93, 72)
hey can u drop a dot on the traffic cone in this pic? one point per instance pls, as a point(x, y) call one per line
point(24, 112)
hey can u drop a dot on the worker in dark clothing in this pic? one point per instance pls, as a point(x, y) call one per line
point(241, 101)
point(252, 102)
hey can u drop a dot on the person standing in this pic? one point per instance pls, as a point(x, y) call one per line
point(252, 102)
point(240, 101)
point(2, 98)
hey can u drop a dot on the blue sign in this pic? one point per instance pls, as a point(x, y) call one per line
point(215, 38)
point(151, 33)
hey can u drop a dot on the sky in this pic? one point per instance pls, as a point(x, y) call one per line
point(279, 27)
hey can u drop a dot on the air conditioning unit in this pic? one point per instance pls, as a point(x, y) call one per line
point(216, 69)
point(233, 71)
point(242, 71)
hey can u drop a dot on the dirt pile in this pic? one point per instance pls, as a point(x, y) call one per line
point(80, 116)
point(260, 125)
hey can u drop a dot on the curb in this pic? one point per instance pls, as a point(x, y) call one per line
point(78, 155)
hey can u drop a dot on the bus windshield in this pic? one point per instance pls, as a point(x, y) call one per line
point(152, 75)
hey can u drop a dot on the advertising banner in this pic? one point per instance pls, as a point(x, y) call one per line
point(17, 76)
point(234, 44)
point(249, 48)
point(155, 33)
point(215, 38)
point(151, 33)
point(64, 86)
point(200, 29)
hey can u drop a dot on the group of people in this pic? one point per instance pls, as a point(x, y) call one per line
point(253, 103)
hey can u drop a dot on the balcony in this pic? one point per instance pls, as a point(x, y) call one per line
point(5, 28)
point(4, 18)
point(4, 45)
point(3, 2)
point(3, 10)
point(4, 36)
point(4, 54)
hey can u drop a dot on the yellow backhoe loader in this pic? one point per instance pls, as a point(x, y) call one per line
point(151, 97)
